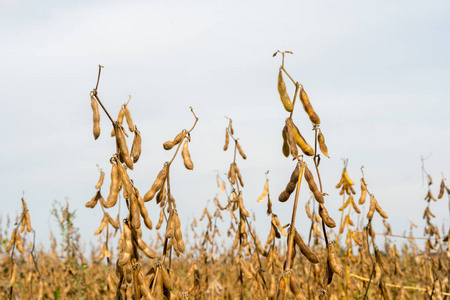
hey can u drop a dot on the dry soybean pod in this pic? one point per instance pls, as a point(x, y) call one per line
point(241, 152)
point(295, 288)
point(124, 155)
point(96, 117)
point(373, 205)
point(290, 187)
point(362, 199)
point(380, 210)
point(128, 118)
point(227, 140)
point(311, 256)
point(127, 246)
point(326, 217)
point(332, 258)
point(134, 211)
point(265, 191)
point(119, 119)
point(100, 180)
point(285, 149)
point(144, 213)
point(114, 187)
point(136, 146)
point(323, 147)
point(308, 107)
point(313, 186)
point(239, 176)
point(157, 184)
point(287, 103)
point(187, 156)
point(301, 142)
point(441, 190)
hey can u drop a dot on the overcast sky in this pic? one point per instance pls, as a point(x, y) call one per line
point(376, 72)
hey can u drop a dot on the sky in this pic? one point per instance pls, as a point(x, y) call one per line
point(376, 73)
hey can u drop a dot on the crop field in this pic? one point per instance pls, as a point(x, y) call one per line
point(340, 258)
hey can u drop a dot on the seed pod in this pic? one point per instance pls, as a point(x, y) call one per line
point(96, 117)
point(13, 278)
point(227, 140)
point(313, 186)
point(137, 236)
point(362, 199)
point(282, 288)
point(326, 217)
point(232, 174)
point(380, 211)
point(111, 221)
point(134, 211)
point(242, 209)
point(128, 270)
point(295, 288)
point(306, 148)
point(102, 226)
point(127, 245)
point(12, 240)
point(373, 205)
point(241, 152)
point(441, 190)
point(19, 244)
point(286, 150)
point(290, 187)
point(114, 187)
point(129, 119)
point(377, 277)
point(93, 202)
point(124, 155)
point(178, 138)
point(311, 256)
point(162, 194)
point(283, 93)
point(168, 145)
point(166, 278)
point(119, 119)
point(157, 184)
point(159, 286)
point(308, 108)
point(125, 179)
point(272, 287)
point(136, 146)
point(292, 143)
point(322, 145)
point(161, 219)
point(100, 180)
point(170, 229)
point(379, 260)
point(347, 178)
point(239, 176)
point(144, 213)
point(28, 222)
point(308, 210)
point(332, 258)
point(355, 207)
point(187, 157)
point(265, 191)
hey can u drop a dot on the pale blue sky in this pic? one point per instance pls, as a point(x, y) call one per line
point(377, 74)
